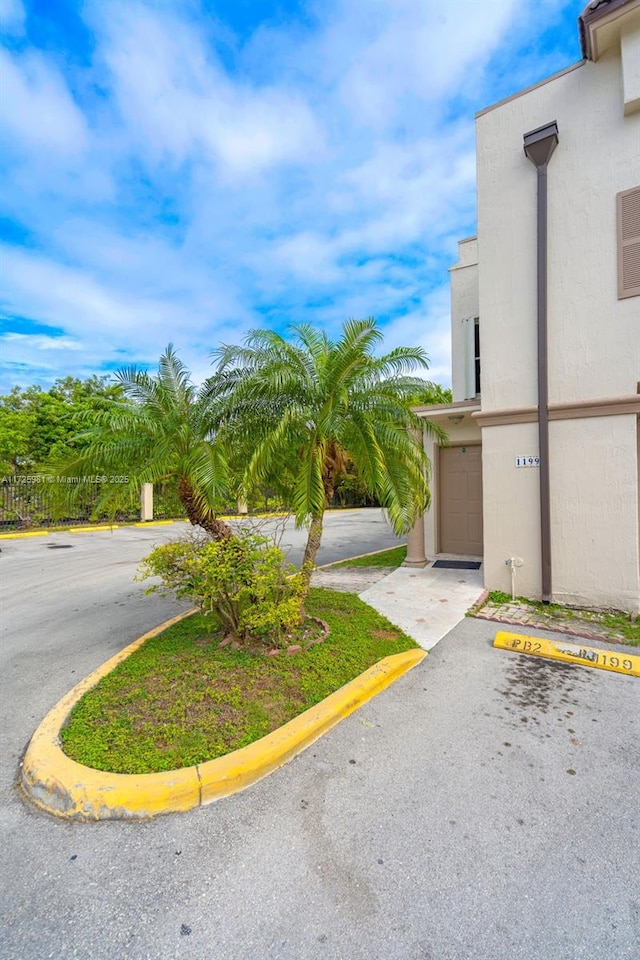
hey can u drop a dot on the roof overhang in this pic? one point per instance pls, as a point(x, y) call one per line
point(448, 411)
point(601, 22)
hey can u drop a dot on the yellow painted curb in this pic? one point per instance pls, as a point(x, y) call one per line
point(153, 523)
point(89, 529)
point(240, 769)
point(15, 536)
point(67, 789)
point(569, 652)
point(100, 526)
point(251, 516)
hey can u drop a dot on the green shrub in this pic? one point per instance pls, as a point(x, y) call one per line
point(245, 582)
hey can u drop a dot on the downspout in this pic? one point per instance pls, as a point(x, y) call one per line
point(539, 145)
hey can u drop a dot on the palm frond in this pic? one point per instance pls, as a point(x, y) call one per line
point(163, 428)
point(320, 403)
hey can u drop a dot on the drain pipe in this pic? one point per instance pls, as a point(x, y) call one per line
point(539, 145)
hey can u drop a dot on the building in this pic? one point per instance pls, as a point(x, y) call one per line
point(544, 457)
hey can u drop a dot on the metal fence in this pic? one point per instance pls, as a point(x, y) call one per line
point(29, 502)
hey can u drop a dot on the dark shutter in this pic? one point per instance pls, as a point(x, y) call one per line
point(629, 243)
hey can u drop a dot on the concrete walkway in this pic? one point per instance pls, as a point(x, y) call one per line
point(425, 603)
point(349, 579)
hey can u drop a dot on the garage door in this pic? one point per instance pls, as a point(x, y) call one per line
point(460, 496)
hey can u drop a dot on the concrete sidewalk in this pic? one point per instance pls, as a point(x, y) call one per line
point(426, 603)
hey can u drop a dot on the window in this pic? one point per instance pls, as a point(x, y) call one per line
point(629, 243)
point(476, 354)
point(470, 349)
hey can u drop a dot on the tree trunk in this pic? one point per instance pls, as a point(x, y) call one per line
point(199, 516)
point(315, 530)
point(334, 459)
point(311, 549)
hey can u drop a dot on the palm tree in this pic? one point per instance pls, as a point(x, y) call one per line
point(315, 404)
point(161, 430)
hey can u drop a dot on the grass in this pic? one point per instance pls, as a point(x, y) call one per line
point(181, 699)
point(630, 629)
point(611, 622)
point(388, 558)
point(498, 596)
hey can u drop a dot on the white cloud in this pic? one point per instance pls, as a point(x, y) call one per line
point(306, 256)
point(427, 325)
point(175, 97)
point(416, 51)
point(12, 17)
point(186, 184)
point(39, 342)
point(36, 106)
point(101, 316)
point(43, 357)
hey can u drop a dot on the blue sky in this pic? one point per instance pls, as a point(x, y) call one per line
point(186, 170)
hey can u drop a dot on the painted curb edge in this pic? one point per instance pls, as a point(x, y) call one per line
point(578, 654)
point(22, 535)
point(67, 789)
point(18, 535)
point(556, 628)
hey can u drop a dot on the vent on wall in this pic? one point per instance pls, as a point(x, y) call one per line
point(629, 243)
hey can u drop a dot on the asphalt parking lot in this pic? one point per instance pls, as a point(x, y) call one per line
point(485, 807)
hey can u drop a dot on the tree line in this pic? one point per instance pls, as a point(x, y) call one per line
point(40, 426)
point(299, 416)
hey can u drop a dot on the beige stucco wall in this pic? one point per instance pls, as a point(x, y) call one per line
point(511, 507)
point(594, 341)
point(464, 309)
point(594, 338)
point(594, 510)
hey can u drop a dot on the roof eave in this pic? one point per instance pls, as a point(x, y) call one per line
point(591, 14)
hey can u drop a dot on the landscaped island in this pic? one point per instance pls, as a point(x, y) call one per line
point(182, 699)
